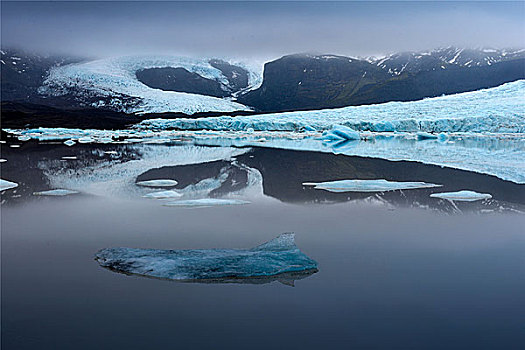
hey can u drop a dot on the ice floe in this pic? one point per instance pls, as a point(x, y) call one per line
point(6, 185)
point(163, 194)
point(205, 202)
point(380, 185)
point(57, 192)
point(462, 196)
point(158, 183)
point(277, 257)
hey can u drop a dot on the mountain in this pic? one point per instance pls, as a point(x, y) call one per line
point(23, 73)
point(450, 57)
point(301, 82)
point(181, 80)
point(308, 82)
point(188, 86)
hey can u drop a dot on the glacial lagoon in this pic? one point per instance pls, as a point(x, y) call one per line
point(381, 269)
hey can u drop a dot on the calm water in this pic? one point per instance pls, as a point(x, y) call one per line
point(396, 270)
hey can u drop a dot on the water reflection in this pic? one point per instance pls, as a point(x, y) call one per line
point(218, 172)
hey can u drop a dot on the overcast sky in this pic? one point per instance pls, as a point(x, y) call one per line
point(258, 30)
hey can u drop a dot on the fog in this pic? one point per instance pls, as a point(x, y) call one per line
point(258, 30)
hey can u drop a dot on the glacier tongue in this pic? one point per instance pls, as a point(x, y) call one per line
point(115, 78)
point(495, 110)
point(278, 257)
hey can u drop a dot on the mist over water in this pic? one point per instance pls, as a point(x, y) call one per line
point(258, 30)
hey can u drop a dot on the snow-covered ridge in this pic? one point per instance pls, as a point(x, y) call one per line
point(494, 110)
point(115, 78)
point(443, 58)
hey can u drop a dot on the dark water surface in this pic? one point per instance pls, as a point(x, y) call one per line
point(403, 276)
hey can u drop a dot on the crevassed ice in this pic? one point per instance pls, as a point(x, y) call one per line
point(462, 196)
point(276, 257)
point(114, 77)
point(500, 109)
point(380, 185)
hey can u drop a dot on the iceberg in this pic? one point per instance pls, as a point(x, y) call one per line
point(6, 185)
point(277, 258)
point(163, 194)
point(380, 185)
point(3, 160)
point(205, 202)
point(57, 192)
point(158, 183)
point(462, 196)
point(69, 143)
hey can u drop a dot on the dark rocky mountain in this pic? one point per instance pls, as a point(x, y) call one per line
point(237, 76)
point(180, 80)
point(450, 57)
point(307, 82)
point(22, 73)
point(300, 82)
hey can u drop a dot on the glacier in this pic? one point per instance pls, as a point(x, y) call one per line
point(115, 78)
point(462, 196)
point(380, 185)
point(278, 257)
point(495, 110)
point(481, 131)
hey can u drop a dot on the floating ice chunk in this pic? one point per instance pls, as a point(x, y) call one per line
point(158, 183)
point(69, 143)
point(69, 157)
point(279, 257)
point(110, 152)
point(205, 202)
point(5, 185)
point(86, 140)
point(163, 194)
point(380, 185)
point(24, 138)
point(3, 160)
point(57, 192)
point(462, 196)
point(341, 132)
point(426, 136)
point(14, 146)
